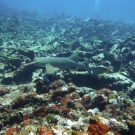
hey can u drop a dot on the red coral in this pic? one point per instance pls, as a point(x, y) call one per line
point(63, 91)
point(56, 84)
point(71, 87)
point(113, 110)
point(10, 131)
point(74, 95)
point(104, 91)
point(57, 93)
point(72, 116)
point(54, 109)
point(25, 116)
point(64, 111)
point(65, 100)
point(44, 131)
point(27, 122)
point(88, 106)
point(98, 128)
point(85, 101)
point(41, 112)
point(4, 91)
point(99, 100)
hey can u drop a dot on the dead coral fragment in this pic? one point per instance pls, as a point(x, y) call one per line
point(131, 123)
point(74, 132)
point(94, 119)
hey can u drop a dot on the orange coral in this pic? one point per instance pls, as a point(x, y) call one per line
point(44, 131)
point(104, 91)
point(88, 106)
point(85, 101)
point(75, 95)
point(54, 109)
point(27, 122)
point(64, 111)
point(65, 100)
point(98, 128)
point(10, 131)
point(56, 84)
point(25, 117)
point(41, 112)
point(57, 93)
point(4, 91)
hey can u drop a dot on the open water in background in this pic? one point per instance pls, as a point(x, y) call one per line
point(118, 10)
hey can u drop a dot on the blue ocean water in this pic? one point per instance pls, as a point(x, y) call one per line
point(106, 9)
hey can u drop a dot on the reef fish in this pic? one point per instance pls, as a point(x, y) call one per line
point(69, 63)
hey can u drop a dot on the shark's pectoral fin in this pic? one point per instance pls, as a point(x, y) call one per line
point(50, 69)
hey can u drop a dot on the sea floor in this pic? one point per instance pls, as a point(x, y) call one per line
point(65, 102)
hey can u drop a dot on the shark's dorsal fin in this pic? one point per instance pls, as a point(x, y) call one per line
point(74, 56)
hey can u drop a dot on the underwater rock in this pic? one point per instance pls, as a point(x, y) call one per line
point(8, 78)
point(14, 61)
point(21, 75)
point(27, 53)
point(117, 80)
point(4, 91)
point(41, 87)
point(1, 39)
point(116, 63)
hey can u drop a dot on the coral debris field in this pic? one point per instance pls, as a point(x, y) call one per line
point(65, 103)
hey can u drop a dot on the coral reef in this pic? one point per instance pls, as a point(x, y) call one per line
point(65, 102)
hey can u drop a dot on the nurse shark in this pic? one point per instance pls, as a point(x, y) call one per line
point(69, 63)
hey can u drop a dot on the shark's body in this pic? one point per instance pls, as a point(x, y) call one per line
point(70, 63)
